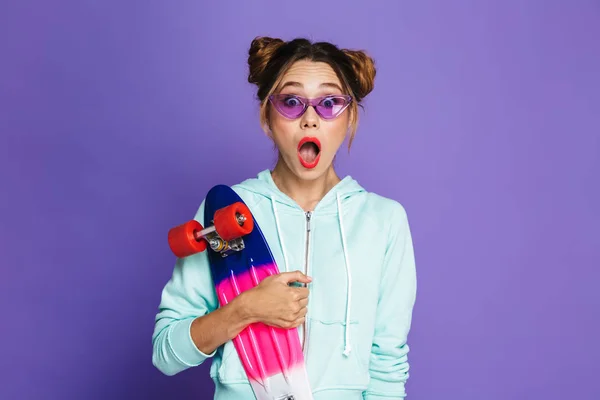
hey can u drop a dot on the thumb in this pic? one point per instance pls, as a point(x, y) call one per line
point(295, 276)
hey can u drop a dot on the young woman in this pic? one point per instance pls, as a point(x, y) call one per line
point(351, 249)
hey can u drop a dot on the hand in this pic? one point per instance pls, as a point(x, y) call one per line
point(275, 303)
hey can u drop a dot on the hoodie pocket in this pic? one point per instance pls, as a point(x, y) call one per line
point(327, 365)
point(230, 369)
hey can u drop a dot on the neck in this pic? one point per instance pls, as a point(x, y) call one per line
point(307, 193)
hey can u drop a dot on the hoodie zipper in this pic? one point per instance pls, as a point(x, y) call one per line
point(306, 251)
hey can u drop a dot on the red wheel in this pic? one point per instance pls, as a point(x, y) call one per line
point(182, 241)
point(227, 224)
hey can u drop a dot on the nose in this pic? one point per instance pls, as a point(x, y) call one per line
point(310, 119)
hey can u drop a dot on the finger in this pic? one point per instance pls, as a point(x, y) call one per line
point(302, 312)
point(294, 276)
point(298, 294)
point(303, 302)
point(299, 321)
point(298, 311)
point(291, 317)
point(286, 321)
point(302, 293)
point(279, 323)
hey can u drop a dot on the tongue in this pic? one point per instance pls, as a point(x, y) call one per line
point(308, 152)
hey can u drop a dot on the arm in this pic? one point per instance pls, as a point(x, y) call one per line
point(389, 361)
point(220, 326)
point(189, 326)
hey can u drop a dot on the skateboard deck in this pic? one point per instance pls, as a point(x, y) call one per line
point(240, 259)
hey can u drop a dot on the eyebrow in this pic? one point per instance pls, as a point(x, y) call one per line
point(298, 84)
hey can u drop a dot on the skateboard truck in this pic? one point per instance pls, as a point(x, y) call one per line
point(224, 235)
point(217, 243)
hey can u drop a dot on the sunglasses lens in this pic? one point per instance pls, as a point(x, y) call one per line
point(331, 107)
point(292, 107)
point(289, 106)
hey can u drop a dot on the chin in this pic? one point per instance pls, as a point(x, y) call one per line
point(310, 173)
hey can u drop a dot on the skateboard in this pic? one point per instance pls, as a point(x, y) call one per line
point(240, 259)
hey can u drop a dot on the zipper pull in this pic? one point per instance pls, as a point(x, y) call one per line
point(308, 215)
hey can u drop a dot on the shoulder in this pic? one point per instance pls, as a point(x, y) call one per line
point(251, 191)
point(386, 204)
point(242, 189)
point(385, 211)
point(392, 218)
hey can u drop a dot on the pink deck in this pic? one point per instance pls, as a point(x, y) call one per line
point(264, 351)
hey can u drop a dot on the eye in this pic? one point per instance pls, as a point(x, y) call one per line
point(331, 102)
point(292, 101)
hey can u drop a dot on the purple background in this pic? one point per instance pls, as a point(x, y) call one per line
point(116, 118)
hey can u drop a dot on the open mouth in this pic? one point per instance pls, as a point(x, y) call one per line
point(309, 152)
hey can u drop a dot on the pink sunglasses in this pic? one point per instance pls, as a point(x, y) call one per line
point(327, 107)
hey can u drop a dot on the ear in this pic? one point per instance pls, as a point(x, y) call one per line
point(267, 130)
point(351, 118)
point(266, 126)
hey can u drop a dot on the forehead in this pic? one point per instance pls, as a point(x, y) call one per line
point(311, 77)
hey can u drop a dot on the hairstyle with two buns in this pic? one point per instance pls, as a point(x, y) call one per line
point(269, 59)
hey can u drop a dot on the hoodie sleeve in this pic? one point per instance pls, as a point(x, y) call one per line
point(188, 294)
point(389, 362)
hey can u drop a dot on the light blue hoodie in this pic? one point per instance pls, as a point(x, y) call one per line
point(357, 247)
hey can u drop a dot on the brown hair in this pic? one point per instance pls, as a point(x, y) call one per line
point(269, 58)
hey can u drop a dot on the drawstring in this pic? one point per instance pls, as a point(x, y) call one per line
point(347, 347)
point(285, 260)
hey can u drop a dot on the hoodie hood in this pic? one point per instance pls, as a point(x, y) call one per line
point(263, 185)
point(332, 203)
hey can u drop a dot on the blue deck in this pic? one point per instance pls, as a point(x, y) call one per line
point(256, 249)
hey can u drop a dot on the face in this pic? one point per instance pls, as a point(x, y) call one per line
point(308, 143)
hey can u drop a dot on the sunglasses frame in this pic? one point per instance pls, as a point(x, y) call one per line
point(312, 102)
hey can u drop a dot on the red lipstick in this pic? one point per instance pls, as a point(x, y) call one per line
point(309, 152)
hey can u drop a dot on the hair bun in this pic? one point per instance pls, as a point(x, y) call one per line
point(260, 53)
point(364, 70)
